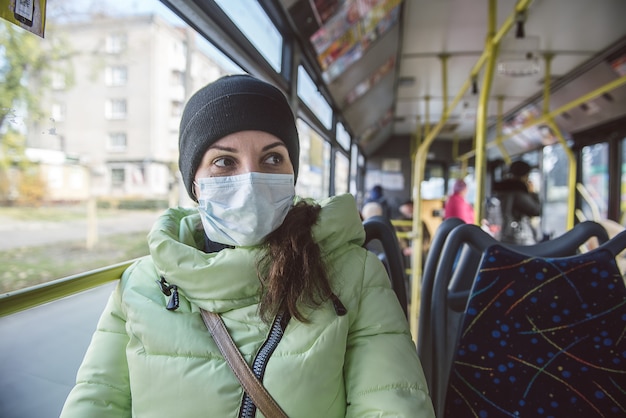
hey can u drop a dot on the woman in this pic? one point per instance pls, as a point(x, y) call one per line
point(262, 259)
point(457, 206)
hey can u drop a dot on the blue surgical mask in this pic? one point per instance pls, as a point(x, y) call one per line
point(242, 210)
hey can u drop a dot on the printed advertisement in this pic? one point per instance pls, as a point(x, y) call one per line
point(27, 14)
point(346, 35)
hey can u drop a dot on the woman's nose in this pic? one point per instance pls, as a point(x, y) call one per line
point(250, 166)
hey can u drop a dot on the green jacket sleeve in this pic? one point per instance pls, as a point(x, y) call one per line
point(102, 384)
point(383, 374)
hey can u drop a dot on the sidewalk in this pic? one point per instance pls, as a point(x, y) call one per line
point(16, 234)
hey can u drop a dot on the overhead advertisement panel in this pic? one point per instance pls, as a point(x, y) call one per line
point(347, 34)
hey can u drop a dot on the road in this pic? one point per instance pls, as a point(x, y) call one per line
point(16, 234)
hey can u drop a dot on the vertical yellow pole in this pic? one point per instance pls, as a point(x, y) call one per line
point(426, 115)
point(444, 80)
point(546, 82)
point(482, 114)
point(420, 162)
point(499, 137)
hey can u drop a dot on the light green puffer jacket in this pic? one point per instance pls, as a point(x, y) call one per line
point(146, 361)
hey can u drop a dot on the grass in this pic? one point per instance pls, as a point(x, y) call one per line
point(25, 267)
point(53, 214)
point(29, 266)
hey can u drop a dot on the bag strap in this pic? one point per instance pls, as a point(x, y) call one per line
point(253, 387)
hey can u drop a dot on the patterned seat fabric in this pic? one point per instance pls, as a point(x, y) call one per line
point(542, 337)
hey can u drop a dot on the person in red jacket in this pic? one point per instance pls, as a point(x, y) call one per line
point(457, 206)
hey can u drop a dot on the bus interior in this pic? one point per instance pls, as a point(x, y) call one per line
point(407, 94)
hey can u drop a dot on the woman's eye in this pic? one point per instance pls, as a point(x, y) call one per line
point(223, 162)
point(274, 159)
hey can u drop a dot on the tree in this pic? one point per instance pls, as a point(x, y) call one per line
point(22, 59)
point(26, 62)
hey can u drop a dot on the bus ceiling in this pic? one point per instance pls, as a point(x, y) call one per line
point(397, 68)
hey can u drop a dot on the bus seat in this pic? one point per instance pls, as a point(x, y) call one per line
point(612, 228)
point(542, 336)
point(378, 228)
point(568, 243)
point(424, 331)
point(456, 270)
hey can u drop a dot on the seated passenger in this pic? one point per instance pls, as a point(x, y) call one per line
point(457, 206)
point(270, 264)
point(371, 209)
point(377, 195)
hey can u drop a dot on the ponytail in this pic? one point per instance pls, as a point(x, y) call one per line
point(292, 271)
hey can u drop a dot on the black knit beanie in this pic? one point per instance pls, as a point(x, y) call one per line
point(233, 104)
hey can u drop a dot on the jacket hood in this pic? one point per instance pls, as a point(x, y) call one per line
point(227, 279)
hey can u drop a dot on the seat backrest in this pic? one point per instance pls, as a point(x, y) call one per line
point(456, 270)
point(542, 336)
point(564, 245)
point(378, 228)
point(424, 330)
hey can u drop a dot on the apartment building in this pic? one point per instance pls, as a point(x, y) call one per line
point(116, 112)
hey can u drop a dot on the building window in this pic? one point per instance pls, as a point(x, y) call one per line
point(118, 177)
point(116, 76)
point(115, 43)
point(58, 112)
point(177, 78)
point(115, 109)
point(177, 108)
point(117, 141)
point(58, 81)
point(180, 50)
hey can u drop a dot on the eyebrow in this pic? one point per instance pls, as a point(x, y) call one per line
point(265, 148)
point(274, 145)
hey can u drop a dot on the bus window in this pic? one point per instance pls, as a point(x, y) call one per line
point(314, 174)
point(252, 21)
point(86, 165)
point(343, 137)
point(433, 185)
point(555, 172)
point(342, 172)
point(310, 95)
point(595, 179)
point(357, 163)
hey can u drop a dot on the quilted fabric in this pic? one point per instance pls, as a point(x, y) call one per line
point(542, 337)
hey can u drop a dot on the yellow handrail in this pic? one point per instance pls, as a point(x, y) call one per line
point(544, 119)
point(30, 297)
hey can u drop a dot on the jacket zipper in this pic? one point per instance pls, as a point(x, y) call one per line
point(248, 408)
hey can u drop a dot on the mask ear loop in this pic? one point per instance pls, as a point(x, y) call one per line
point(193, 190)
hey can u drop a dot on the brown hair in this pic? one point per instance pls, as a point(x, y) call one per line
point(292, 271)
